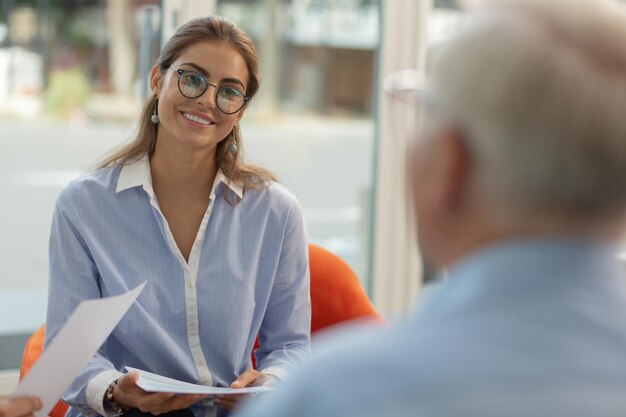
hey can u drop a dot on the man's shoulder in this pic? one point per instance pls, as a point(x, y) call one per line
point(358, 370)
point(387, 351)
point(427, 368)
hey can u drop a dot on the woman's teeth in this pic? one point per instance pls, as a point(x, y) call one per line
point(197, 119)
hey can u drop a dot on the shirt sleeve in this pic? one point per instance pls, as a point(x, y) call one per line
point(97, 387)
point(73, 277)
point(286, 328)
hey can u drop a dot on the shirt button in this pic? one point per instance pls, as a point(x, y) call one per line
point(189, 284)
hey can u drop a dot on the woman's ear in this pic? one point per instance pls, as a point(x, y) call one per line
point(155, 79)
point(240, 114)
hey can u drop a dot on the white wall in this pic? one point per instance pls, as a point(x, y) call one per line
point(8, 381)
point(396, 270)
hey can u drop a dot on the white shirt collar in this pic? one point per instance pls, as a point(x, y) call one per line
point(137, 173)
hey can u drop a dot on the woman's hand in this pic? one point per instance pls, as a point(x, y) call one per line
point(19, 407)
point(250, 378)
point(128, 394)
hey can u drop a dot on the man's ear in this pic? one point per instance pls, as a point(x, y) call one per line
point(155, 79)
point(454, 159)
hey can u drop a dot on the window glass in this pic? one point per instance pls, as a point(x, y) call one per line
point(73, 75)
point(312, 121)
point(61, 108)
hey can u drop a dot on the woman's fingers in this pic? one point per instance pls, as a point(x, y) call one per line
point(249, 378)
point(127, 393)
point(229, 402)
point(153, 403)
point(185, 401)
point(161, 403)
point(246, 379)
point(128, 381)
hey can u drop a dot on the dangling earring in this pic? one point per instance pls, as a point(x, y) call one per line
point(155, 117)
point(233, 148)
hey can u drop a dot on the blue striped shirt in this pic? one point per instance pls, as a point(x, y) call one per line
point(196, 321)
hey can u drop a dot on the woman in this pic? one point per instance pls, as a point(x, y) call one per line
point(221, 245)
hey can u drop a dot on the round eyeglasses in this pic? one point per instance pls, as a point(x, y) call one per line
point(192, 84)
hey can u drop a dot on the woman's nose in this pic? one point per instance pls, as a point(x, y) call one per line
point(208, 99)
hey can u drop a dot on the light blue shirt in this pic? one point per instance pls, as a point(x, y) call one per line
point(526, 328)
point(196, 321)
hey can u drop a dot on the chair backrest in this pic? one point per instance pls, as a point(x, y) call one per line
point(32, 351)
point(337, 295)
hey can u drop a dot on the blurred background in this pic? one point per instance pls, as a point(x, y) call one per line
point(74, 74)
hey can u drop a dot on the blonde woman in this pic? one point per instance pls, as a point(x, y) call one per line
point(221, 244)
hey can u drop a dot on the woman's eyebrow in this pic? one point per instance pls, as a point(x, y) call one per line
point(206, 74)
point(234, 81)
point(198, 67)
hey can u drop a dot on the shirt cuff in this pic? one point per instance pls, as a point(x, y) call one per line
point(275, 371)
point(97, 387)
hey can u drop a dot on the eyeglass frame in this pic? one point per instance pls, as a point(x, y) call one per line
point(181, 71)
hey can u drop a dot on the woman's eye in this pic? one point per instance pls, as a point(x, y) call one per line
point(192, 79)
point(229, 92)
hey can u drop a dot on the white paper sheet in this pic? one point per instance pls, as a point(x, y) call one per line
point(156, 383)
point(72, 347)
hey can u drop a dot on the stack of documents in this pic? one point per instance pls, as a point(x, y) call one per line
point(150, 382)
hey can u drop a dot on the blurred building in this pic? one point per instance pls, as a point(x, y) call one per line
point(316, 55)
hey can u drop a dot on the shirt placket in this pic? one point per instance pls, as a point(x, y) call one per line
point(191, 297)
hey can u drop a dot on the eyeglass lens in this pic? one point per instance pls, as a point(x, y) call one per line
point(192, 84)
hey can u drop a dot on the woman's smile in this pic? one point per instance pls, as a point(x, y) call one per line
point(196, 119)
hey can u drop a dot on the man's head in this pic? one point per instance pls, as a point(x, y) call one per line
point(525, 127)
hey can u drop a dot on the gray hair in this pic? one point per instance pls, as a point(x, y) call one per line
point(539, 89)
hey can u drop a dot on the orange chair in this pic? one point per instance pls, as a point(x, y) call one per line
point(337, 296)
point(32, 351)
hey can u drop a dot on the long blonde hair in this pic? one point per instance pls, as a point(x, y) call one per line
point(215, 29)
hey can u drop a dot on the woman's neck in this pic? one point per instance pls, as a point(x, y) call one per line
point(184, 174)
